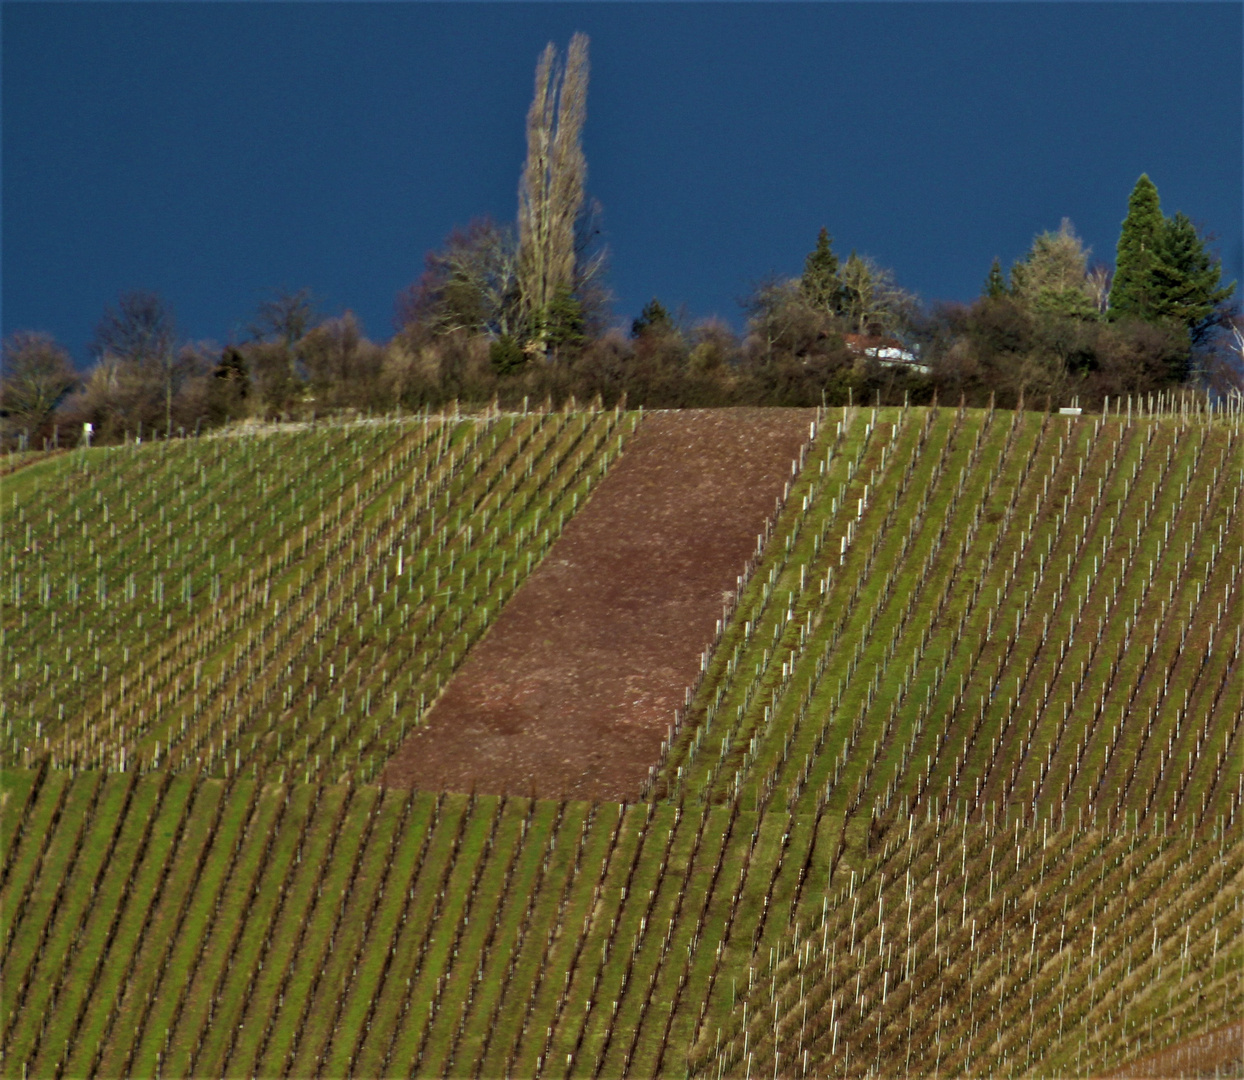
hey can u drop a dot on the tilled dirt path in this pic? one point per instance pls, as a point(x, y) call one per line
point(571, 691)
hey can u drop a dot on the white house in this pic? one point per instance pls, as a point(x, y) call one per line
point(888, 351)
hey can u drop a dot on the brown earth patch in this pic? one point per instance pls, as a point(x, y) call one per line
point(571, 691)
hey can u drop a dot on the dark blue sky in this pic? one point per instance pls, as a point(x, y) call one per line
point(216, 152)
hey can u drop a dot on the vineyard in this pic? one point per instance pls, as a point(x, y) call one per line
point(956, 789)
point(282, 606)
point(1055, 953)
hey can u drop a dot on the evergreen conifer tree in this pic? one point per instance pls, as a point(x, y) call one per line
point(564, 329)
point(820, 284)
point(506, 355)
point(1187, 281)
point(1051, 278)
point(995, 283)
point(653, 319)
point(1164, 273)
point(1133, 291)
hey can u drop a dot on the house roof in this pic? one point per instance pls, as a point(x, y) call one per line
point(867, 343)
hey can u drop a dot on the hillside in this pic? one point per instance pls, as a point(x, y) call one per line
point(957, 789)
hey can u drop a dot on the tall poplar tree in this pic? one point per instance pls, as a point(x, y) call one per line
point(550, 196)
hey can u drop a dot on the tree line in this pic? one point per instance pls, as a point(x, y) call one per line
point(508, 313)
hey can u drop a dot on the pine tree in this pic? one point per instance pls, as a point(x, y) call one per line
point(995, 283)
point(654, 319)
point(1187, 281)
point(564, 326)
point(1164, 273)
point(1133, 291)
point(820, 283)
point(506, 355)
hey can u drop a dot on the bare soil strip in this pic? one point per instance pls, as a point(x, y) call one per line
point(570, 693)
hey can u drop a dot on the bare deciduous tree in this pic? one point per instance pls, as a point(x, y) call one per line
point(871, 301)
point(1097, 284)
point(37, 375)
point(287, 317)
point(780, 320)
point(140, 328)
point(343, 367)
point(469, 285)
point(140, 333)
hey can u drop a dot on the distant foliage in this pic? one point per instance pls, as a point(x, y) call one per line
point(506, 313)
